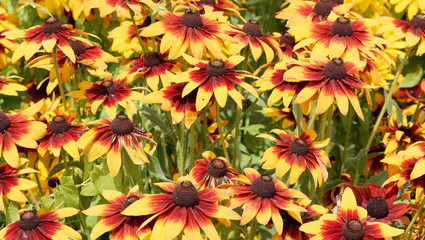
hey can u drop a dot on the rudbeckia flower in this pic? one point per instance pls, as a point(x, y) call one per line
point(286, 43)
point(33, 226)
point(154, 67)
point(334, 78)
point(121, 7)
point(182, 208)
point(263, 197)
point(44, 166)
point(295, 153)
point(412, 6)
point(110, 136)
point(16, 130)
point(123, 227)
point(190, 30)
point(284, 114)
point(227, 7)
point(5, 44)
point(9, 86)
point(251, 35)
point(172, 100)
point(108, 92)
point(216, 77)
point(7, 19)
point(212, 171)
point(61, 134)
point(350, 224)
point(11, 185)
point(49, 35)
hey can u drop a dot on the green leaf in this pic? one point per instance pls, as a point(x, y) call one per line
point(412, 78)
point(61, 166)
point(389, 109)
point(13, 211)
point(67, 192)
point(378, 179)
point(48, 203)
point(152, 115)
point(89, 190)
point(102, 180)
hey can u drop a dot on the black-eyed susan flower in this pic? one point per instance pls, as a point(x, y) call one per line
point(5, 44)
point(286, 43)
point(334, 79)
point(227, 7)
point(108, 92)
point(49, 35)
point(284, 114)
point(121, 7)
point(182, 208)
point(190, 31)
point(296, 153)
point(412, 6)
point(350, 224)
point(214, 78)
point(44, 165)
point(124, 227)
point(33, 226)
point(172, 100)
point(61, 133)
point(110, 136)
point(251, 35)
point(11, 185)
point(153, 67)
point(9, 86)
point(212, 171)
point(262, 198)
point(414, 31)
point(15, 131)
point(7, 20)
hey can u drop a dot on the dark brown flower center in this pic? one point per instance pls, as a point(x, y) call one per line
point(29, 220)
point(107, 87)
point(54, 182)
point(151, 59)
point(185, 195)
point(217, 168)
point(353, 230)
point(191, 19)
point(208, 2)
point(287, 39)
point(338, 2)
point(263, 186)
point(299, 146)
point(122, 125)
point(52, 25)
point(4, 122)
point(335, 69)
point(252, 28)
point(407, 131)
point(323, 7)
point(77, 46)
point(128, 201)
point(216, 68)
point(342, 27)
point(377, 207)
point(59, 125)
point(418, 21)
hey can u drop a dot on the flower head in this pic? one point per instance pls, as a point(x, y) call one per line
point(9, 86)
point(11, 186)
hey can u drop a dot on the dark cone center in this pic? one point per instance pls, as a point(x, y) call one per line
point(185, 195)
point(263, 186)
point(353, 230)
point(407, 131)
point(323, 8)
point(377, 207)
point(418, 21)
point(252, 28)
point(108, 87)
point(4, 122)
point(122, 125)
point(59, 125)
point(29, 220)
point(216, 68)
point(208, 2)
point(287, 39)
point(217, 168)
point(342, 27)
point(299, 146)
point(128, 201)
point(52, 25)
point(338, 2)
point(54, 182)
point(335, 69)
point(77, 46)
point(192, 19)
point(151, 59)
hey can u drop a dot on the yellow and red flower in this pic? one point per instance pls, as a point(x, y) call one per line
point(212, 171)
point(182, 208)
point(350, 223)
point(284, 114)
point(414, 32)
point(5, 44)
point(16, 130)
point(412, 6)
point(263, 197)
point(121, 7)
point(33, 226)
point(110, 136)
point(227, 7)
point(9, 86)
point(123, 227)
point(11, 185)
point(296, 153)
point(216, 77)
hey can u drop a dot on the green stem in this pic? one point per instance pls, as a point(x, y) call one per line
point(412, 222)
point(387, 100)
point(299, 120)
point(236, 156)
point(204, 135)
point(6, 211)
point(253, 229)
point(40, 190)
point(75, 87)
point(220, 130)
point(312, 116)
point(191, 147)
point(329, 128)
point(59, 79)
point(413, 118)
point(182, 149)
point(145, 50)
point(347, 139)
point(83, 222)
point(323, 125)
